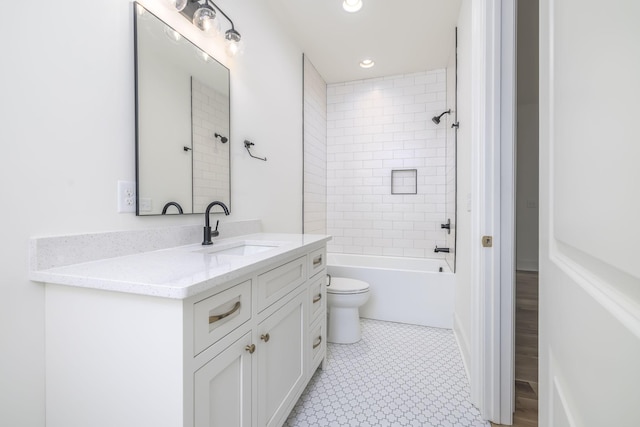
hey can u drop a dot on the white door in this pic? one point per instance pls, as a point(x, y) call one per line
point(589, 213)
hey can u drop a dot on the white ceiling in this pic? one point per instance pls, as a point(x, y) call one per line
point(401, 36)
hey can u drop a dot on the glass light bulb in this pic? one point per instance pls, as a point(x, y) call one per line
point(179, 5)
point(203, 18)
point(233, 48)
point(352, 5)
point(235, 45)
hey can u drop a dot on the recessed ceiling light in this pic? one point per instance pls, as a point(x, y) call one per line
point(352, 5)
point(367, 63)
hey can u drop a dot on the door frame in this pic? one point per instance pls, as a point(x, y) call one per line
point(493, 189)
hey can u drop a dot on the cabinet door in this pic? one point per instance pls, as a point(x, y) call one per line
point(281, 364)
point(222, 388)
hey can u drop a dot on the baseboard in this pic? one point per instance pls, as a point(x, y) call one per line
point(463, 344)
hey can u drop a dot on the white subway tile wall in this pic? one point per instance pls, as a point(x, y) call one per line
point(375, 126)
point(210, 115)
point(315, 151)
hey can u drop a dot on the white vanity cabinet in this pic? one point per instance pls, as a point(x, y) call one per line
point(237, 354)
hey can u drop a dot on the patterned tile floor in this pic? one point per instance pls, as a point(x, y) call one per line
point(397, 375)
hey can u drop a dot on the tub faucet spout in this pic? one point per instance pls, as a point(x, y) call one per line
point(437, 249)
point(207, 227)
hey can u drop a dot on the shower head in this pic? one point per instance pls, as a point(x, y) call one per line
point(223, 139)
point(436, 119)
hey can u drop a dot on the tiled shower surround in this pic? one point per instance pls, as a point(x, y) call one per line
point(315, 151)
point(374, 127)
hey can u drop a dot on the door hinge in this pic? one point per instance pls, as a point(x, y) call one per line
point(487, 241)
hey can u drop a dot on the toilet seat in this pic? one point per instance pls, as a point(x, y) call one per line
point(344, 285)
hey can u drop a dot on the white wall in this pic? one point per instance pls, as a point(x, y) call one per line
point(67, 111)
point(375, 126)
point(315, 150)
point(462, 316)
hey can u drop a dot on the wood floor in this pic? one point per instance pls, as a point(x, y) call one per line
point(526, 386)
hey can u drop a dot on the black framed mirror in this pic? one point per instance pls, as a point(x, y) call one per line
point(182, 122)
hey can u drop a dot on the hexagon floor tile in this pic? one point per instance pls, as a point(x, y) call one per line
point(397, 375)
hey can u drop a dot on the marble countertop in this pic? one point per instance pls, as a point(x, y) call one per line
point(183, 271)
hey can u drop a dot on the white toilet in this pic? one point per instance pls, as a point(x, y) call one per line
point(344, 297)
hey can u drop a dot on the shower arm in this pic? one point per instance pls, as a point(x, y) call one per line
point(446, 112)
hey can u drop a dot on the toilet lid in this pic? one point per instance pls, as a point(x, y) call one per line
point(343, 285)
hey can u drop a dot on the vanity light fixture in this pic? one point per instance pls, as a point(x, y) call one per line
point(204, 18)
point(204, 15)
point(367, 63)
point(179, 5)
point(352, 5)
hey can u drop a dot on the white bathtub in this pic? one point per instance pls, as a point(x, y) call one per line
point(406, 290)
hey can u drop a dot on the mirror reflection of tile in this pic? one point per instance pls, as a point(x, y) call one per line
point(210, 115)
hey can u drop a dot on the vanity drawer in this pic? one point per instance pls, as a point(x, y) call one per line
point(317, 343)
point(276, 283)
point(317, 261)
point(317, 298)
point(220, 314)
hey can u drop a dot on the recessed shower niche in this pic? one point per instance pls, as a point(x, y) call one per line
point(182, 121)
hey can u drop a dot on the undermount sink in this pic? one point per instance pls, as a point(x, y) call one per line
point(239, 248)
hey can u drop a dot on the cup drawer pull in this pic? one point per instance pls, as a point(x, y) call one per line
point(317, 298)
point(318, 342)
point(217, 317)
point(317, 261)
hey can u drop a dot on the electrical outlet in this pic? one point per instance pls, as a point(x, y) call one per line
point(126, 196)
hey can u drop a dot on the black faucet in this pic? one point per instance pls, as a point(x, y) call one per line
point(437, 249)
point(207, 228)
point(176, 204)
